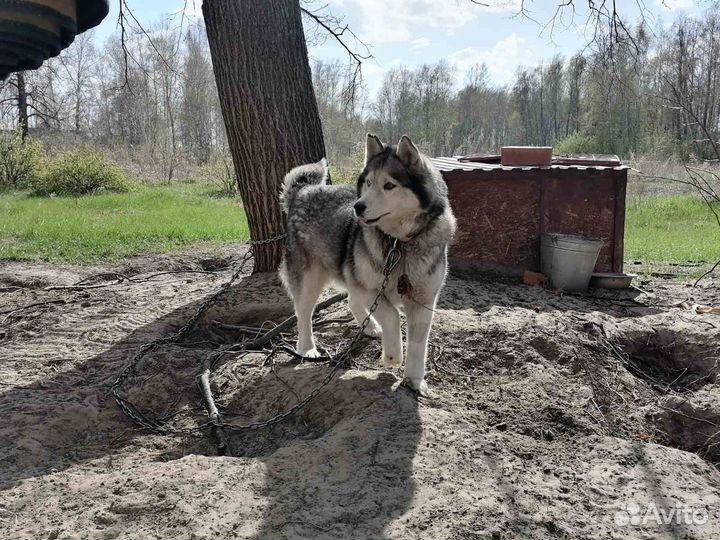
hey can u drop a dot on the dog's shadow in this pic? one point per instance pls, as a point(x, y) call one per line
point(341, 467)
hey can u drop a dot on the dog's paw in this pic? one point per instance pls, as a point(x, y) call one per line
point(417, 385)
point(391, 360)
point(373, 330)
point(309, 353)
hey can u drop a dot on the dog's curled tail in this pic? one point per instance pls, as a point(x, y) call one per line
point(299, 177)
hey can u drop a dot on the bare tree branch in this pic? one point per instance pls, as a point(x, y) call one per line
point(603, 16)
point(336, 28)
point(123, 13)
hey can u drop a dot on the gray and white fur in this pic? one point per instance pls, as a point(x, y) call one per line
point(342, 234)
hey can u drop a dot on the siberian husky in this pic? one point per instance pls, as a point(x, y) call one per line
point(341, 234)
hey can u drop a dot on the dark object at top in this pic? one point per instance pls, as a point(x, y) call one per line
point(538, 156)
point(33, 31)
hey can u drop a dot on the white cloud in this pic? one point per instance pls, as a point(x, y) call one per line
point(373, 72)
point(501, 59)
point(193, 8)
point(676, 5)
point(396, 23)
point(419, 43)
point(502, 6)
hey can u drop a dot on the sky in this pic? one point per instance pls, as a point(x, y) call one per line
point(462, 32)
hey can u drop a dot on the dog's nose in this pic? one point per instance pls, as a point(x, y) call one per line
point(359, 208)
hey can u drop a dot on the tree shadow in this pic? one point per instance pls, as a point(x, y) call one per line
point(676, 526)
point(347, 456)
point(71, 417)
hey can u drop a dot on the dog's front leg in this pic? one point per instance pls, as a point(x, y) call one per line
point(360, 312)
point(388, 316)
point(419, 321)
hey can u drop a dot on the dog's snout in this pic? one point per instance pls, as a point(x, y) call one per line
point(360, 208)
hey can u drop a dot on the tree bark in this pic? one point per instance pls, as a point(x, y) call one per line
point(271, 116)
point(22, 105)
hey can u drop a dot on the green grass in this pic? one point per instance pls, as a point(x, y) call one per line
point(111, 226)
point(161, 218)
point(671, 229)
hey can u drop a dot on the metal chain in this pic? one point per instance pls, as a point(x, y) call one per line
point(130, 368)
point(391, 261)
point(268, 240)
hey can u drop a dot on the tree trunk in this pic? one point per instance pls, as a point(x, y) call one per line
point(22, 105)
point(263, 78)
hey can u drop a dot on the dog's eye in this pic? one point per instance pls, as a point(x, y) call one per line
point(388, 186)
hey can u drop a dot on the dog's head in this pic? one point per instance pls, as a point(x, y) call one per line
point(399, 191)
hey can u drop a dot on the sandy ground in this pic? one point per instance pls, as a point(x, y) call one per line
point(550, 416)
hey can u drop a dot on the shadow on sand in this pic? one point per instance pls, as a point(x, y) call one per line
point(342, 467)
point(482, 291)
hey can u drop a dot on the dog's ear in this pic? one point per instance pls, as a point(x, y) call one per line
point(407, 151)
point(373, 147)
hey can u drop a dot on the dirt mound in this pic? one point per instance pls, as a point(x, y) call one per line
point(549, 416)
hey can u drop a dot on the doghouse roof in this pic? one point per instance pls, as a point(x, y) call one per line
point(593, 162)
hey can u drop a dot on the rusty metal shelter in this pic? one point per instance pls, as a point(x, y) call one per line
point(502, 211)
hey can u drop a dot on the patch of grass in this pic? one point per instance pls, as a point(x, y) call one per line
point(115, 225)
point(161, 218)
point(343, 175)
point(671, 229)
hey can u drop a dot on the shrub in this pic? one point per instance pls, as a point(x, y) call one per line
point(347, 170)
point(222, 175)
point(577, 143)
point(80, 172)
point(20, 162)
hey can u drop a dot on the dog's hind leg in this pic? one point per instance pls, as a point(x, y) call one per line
point(360, 310)
point(305, 297)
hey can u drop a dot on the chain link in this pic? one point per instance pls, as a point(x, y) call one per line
point(268, 240)
point(339, 360)
point(130, 368)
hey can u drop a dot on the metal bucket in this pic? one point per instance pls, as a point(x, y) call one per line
point(568, 261)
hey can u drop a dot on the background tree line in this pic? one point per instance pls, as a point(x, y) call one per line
point(657, 94)
point(153, 104)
